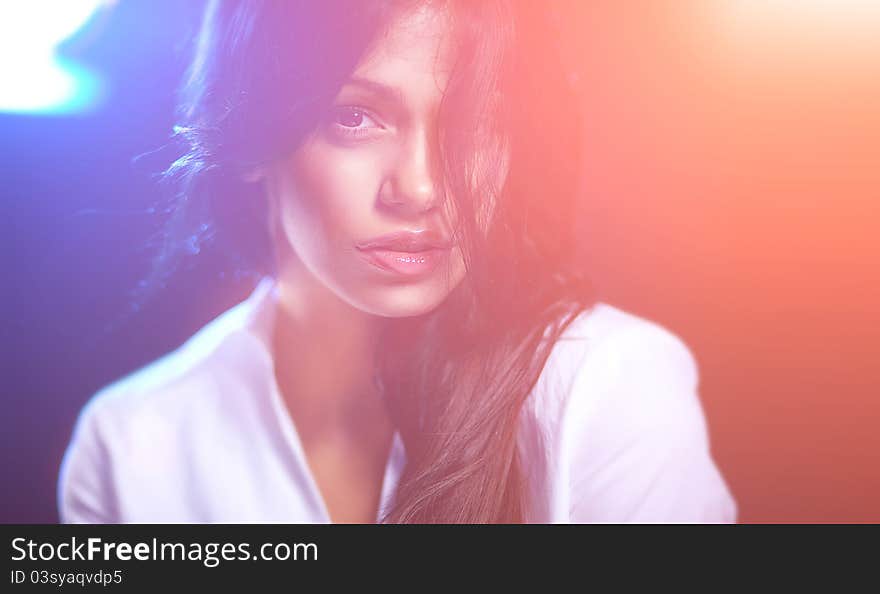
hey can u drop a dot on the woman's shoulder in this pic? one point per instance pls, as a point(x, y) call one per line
point(183, 372)
point(608, 347)
point(622, 405)
point(187, 384)
point(612, 328)
point(234, 340)
point(633, 367)
point(148, 414)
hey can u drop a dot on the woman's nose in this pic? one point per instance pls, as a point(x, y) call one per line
point(412, 187)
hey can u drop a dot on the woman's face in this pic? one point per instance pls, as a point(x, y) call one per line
point(371, 170)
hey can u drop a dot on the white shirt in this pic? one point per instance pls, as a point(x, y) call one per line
point(612, 432)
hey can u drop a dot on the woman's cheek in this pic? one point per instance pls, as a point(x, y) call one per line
point(352, 178)
point(313, 187)
point(349, 182)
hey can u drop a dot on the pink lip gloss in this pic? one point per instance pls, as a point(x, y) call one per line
point(406, 263)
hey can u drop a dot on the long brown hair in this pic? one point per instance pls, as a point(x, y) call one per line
point(265, 72)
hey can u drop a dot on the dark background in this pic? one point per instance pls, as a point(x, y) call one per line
point(733, 197)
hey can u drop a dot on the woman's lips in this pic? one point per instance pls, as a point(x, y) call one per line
point(406, 263)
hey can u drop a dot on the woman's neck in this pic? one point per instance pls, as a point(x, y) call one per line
point(324, 359)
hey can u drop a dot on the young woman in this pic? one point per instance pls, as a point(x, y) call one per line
point(424, 345)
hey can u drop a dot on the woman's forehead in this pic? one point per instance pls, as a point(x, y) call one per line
point(413, 56)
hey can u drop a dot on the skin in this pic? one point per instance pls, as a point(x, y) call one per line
point(335, 190)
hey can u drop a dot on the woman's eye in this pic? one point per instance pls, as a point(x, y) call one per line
point(353, 121)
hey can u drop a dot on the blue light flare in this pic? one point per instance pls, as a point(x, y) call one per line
point(34, 78)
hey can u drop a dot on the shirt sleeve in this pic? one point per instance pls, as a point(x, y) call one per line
point(637, 442)
point(85, 491)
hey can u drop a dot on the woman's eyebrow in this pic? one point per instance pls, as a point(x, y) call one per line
point(386, 92)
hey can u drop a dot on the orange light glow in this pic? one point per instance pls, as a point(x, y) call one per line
point(734, 191)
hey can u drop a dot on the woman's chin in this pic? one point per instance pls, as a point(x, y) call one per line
point(401, 301)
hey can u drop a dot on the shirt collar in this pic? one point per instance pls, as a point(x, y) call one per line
point(260, 311)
